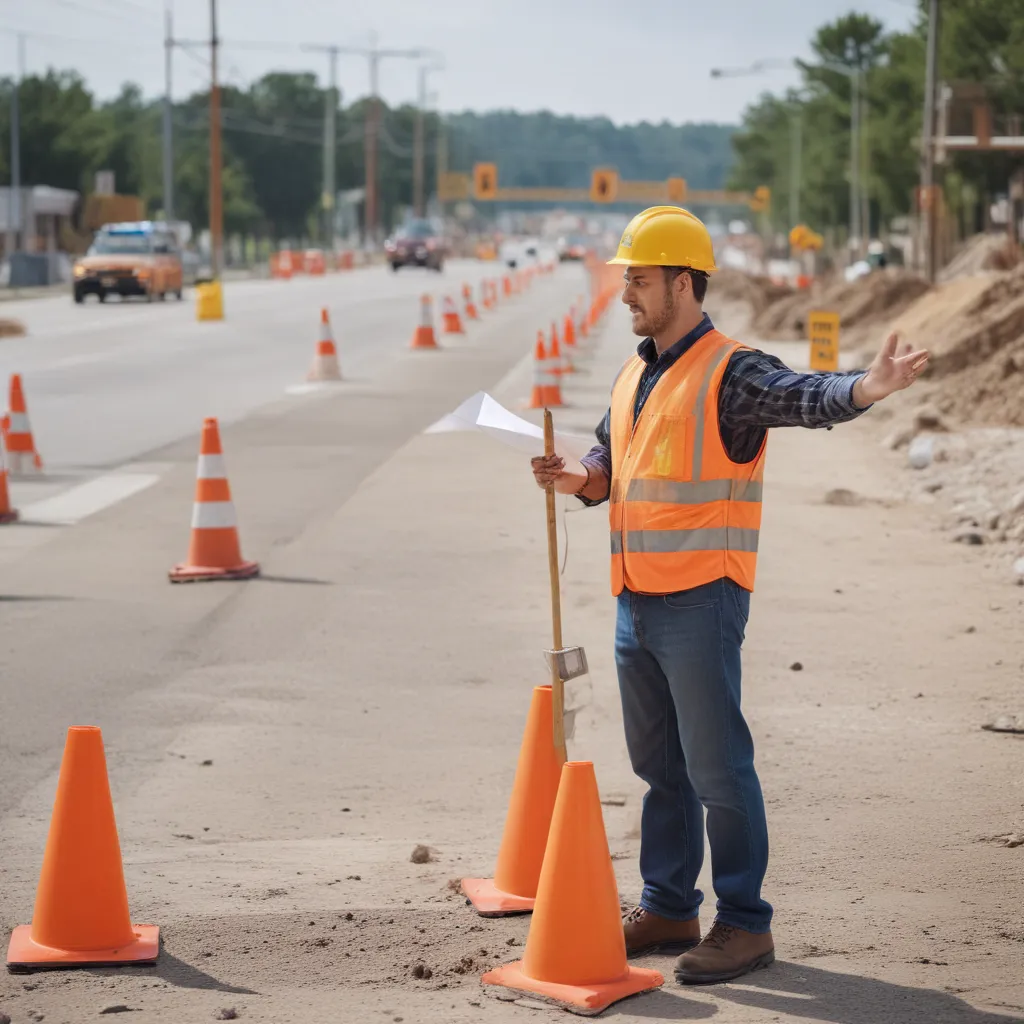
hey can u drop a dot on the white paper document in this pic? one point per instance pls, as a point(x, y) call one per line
point(482, 413)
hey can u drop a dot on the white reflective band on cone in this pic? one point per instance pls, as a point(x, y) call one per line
point(211, 467)
point(19, 424)
point(213, 515)
point(426, 312)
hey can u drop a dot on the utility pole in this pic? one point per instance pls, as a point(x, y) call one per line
point(795, 165)
point(371, 123)
point(854, 243)
point(327, 193)
point(927, 198)
point(419, 143)
point(442, 160)
point(865, 157)
point(14, 210)
point(216, 195)
point(370, 151)
point(168, 154)
point(417, 159)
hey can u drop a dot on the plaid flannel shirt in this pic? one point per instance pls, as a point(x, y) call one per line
point(758, 392)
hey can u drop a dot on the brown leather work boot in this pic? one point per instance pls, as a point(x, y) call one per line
point(648, 933)
point(725, 953)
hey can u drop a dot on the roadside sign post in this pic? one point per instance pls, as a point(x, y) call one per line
point(823, 330)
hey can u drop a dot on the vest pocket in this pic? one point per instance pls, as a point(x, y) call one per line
point(666, 454)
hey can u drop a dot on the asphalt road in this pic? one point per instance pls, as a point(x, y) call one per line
point(106, 383)
point(117, 394)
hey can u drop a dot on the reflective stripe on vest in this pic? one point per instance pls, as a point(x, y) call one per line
point(681, 512)
point(709, 538)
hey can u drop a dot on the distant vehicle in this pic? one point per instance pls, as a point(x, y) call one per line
point(572, 249)
point(418, 243)
point(520, 252)
point(131, 258)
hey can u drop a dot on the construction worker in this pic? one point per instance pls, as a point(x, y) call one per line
point(680, 455)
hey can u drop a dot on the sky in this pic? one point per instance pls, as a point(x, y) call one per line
point(647, 60)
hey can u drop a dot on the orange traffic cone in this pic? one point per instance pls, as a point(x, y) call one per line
point(423, 336)
point(552, 366)
point(81, 913)
point(214, 552)
point(450, 317)
point(560, 361)
point(7, 514)
point(569, 329)
point(467, 297)
point(575, 953)
point(490, 294)
point(325, 362)
point(541, 382)
point(514, 886)
point(506, 286)
point(21, 448)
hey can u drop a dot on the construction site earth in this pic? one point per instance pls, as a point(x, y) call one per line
point(307, 766)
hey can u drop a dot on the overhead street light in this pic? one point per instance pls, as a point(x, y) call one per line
point(856, 121)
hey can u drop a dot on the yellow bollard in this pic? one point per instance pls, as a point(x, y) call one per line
point(209, 301)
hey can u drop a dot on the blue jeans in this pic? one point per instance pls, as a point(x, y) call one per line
point(678, 659)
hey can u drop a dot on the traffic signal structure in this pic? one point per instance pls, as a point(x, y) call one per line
point(604, 186)
point(485, 181)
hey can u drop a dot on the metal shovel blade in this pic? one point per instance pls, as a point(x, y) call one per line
point(568, 662)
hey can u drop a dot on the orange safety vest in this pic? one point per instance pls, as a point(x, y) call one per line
point(682, 513)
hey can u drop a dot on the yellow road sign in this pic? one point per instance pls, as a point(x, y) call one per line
point(453, 187)
point(485, 181)
point(762, 200)
point(823, 329)
point(604, 186)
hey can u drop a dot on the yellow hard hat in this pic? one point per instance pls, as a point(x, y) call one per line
point(666, 236)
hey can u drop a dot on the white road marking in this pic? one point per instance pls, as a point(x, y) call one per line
point(75, 504)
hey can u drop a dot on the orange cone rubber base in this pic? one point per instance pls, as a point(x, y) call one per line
point(489, 901)
point(8, 517)
point(24, 954)
point(586, 1000)
point(203, 573)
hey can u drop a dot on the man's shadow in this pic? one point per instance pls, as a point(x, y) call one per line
point(799, 991)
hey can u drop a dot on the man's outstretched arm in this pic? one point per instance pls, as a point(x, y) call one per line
point(760, 391)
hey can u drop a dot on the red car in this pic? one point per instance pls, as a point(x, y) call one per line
point(419, 243)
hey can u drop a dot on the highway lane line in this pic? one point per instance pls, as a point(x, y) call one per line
point(76, 503)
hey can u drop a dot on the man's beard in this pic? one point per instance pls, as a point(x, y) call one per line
point(654, 323)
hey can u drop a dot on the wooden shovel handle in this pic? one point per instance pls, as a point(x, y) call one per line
point(557, 685)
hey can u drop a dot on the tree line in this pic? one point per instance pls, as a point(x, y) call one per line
point(273, 148)
point(981, 41)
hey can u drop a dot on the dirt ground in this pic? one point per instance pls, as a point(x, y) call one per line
point(348, 722)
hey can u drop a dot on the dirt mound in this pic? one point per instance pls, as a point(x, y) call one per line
point(974, 327)
point(981, 253)
point(757, 292)
point(866, 303)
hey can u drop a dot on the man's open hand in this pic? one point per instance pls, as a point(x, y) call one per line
point(894, 368)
